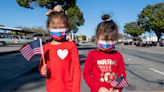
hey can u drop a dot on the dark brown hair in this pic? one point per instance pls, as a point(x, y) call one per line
point(60, 15)
point(108, 28)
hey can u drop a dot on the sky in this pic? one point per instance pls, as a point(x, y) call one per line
point(122, 11)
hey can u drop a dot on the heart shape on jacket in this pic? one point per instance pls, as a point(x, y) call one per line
point(62, 53)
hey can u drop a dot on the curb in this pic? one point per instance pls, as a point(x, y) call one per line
point(9, 52)
point(146, 56)
point(153, 52)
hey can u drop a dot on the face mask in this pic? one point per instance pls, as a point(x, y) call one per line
point(58, 34)
point(106, 46)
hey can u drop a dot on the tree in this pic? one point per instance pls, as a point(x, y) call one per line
point(82, 37)
point(49, 4)
point(151, 18)
point(39, 30)
point(73, 11)
point(76, 17)
point(133, 29)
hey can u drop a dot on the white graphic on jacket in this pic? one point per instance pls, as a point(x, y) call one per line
point(62, 53)
point(105, 66)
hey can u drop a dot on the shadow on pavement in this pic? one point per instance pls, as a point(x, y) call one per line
point(86, 48)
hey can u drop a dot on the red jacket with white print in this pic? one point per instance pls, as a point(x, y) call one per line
point(101, 68)
point(63, 67)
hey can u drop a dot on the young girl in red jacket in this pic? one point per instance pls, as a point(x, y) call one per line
point(104, 64)
point(62, 66)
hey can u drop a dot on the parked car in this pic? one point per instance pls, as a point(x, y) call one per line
point(128, 42)
point(161, 43)
point(45, 37)
point(13, 40)
point(146, 43)
point(149, 41)
point(153, 43)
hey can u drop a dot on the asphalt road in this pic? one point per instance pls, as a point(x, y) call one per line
point(15, 70)
point(145, 72)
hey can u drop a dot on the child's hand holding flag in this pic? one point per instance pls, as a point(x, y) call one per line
point(119, 82)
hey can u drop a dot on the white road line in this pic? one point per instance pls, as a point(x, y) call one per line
point(129, 59)
point(162, 73)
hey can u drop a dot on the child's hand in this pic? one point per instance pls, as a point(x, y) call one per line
point(113, 90)
point(44, 70)
point(103, 89)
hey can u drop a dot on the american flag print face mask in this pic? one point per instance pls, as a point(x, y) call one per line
point(58, 34)
point(106, 45)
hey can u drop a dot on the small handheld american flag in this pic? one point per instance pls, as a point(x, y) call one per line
point(30, 49)
point(119, 82)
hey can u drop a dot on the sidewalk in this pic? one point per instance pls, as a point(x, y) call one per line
point(156, 50)
point(9, 49)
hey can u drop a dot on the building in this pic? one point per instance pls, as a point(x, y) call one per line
point(14, 31)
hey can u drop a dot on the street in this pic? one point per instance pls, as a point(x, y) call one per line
point(124, 39)
point(145, 71)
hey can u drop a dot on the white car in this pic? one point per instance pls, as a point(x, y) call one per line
point(13, 40)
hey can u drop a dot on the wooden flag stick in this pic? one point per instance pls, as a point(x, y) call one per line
point(42, 53)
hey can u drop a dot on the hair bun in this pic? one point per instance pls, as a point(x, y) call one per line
point(57, 9)
point(105, 17)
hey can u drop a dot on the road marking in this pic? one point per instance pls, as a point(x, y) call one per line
point(162, 73)
point(129, 59)
point(142, 50)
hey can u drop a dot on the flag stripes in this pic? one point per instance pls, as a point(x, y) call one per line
point(28, 51)
point(120, 82)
